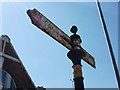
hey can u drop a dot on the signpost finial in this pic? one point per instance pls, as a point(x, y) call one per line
point(73, 29)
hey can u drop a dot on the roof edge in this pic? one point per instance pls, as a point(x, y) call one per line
point(5, 38)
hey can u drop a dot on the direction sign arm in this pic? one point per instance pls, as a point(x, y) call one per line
point(49, 28)
point(52, 30)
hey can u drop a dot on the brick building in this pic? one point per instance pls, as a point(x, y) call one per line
point(12, 72)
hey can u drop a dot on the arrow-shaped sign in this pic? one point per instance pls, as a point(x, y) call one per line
point(52, 30)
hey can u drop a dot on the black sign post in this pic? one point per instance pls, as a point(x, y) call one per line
point(75, 55)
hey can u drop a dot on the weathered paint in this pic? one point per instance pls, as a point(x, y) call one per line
point(51, 29)
point(48, 27)
point(77, 70)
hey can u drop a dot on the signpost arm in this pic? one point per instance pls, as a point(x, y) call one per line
point(76, 52)
point(53, 31)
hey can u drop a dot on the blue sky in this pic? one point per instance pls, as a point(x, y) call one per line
point(45, 59)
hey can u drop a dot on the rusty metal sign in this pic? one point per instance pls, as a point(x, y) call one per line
point(89, 59)
point(52, 30)
point(48, 27)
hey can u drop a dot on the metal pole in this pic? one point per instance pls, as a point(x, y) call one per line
point(75, 56)
point(109, 43)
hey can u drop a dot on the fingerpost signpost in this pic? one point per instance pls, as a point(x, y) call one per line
point(72, 43)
